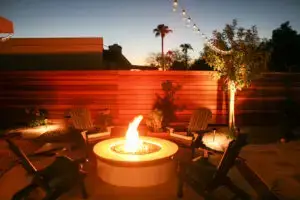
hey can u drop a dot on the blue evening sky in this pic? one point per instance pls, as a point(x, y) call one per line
point(130, 22)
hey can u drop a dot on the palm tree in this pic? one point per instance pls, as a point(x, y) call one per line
point(185, 48)
point(162, 30)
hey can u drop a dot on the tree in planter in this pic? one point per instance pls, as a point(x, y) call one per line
point(248, 58)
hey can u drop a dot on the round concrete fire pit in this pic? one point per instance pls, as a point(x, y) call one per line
point(151, 165)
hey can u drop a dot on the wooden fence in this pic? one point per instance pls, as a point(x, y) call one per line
point(130, 93)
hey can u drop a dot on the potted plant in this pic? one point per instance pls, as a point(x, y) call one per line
point(36, 116)
point(154, 123)
point(166, 102)
point(164, 110)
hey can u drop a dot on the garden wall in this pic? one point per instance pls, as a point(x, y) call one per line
point(130, 93)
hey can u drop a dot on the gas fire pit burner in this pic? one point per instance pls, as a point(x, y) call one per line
point(134, 161)
point(145, 148)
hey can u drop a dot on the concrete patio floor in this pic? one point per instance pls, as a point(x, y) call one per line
point(277, 164)
point(16, 179)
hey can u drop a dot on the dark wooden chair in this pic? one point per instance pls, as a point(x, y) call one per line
point(56, 179)
point(204, 177)
point(259, 186)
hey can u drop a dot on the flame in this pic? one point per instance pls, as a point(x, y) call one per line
point(132, 140)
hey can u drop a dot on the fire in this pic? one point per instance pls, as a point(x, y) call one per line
point(132, 140)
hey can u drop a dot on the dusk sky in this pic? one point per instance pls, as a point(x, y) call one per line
point(130, 22)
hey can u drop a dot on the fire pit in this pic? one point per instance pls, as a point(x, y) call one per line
point(134, 161)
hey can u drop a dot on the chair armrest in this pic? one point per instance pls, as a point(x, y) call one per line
point(109, 128)
point(170, 129)
point(181, 136)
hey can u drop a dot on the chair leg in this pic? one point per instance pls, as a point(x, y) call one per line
point(236, 190)
point(53, 195)
point(181, 174)
point(83, 190)
point(23, 193)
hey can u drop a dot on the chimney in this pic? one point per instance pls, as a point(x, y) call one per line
point(115, 48)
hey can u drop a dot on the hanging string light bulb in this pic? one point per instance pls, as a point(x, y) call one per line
point(189, 20)
point(195, 27)
point(175, 5)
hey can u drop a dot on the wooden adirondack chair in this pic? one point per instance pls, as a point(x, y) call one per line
point(82, 120)
point(56, 179)
point(198, 122)
point(197, 127)
point(204, 177)
point(259, 186)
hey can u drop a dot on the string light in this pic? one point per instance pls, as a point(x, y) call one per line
point(175, 4)
point(195, 27)
point(197, 30)
point(188, 20)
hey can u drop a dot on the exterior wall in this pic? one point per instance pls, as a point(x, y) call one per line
point(52, 45)
point(51, 54)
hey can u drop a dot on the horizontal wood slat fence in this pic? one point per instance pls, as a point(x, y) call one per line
point(130, 93)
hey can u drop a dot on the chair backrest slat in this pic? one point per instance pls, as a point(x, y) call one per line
point(230, 155)
point(81, 118)
point(27, 165)
point(199, 119)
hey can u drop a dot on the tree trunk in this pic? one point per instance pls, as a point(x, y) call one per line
point(162, 54)
point(232, 92)
point(186, 60)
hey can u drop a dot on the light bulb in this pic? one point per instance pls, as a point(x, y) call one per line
point(183, 12)
point(194, 27)
point(188, 20)
point(175, 3)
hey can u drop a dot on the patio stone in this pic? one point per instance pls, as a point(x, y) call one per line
point(16, 179)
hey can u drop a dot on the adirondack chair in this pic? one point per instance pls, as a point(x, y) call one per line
point(197, 127)
point(82, 120)
point(259, 186)
point(204, 177)
point(56, 179)
point(198, 122)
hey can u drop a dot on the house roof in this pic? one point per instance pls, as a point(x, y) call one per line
point(115, 60)
point(6, 26)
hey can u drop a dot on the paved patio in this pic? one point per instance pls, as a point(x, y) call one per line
point(16, 179)
point(277, 164)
